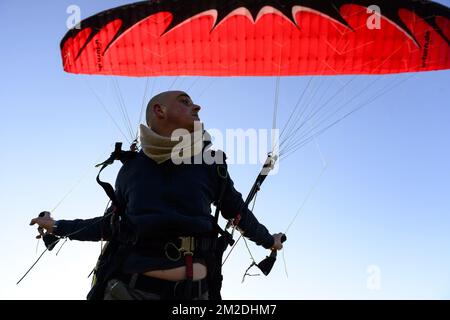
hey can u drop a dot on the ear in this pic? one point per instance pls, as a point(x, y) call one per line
point(159, 111)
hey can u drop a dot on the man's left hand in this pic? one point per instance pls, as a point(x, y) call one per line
point(277, 245)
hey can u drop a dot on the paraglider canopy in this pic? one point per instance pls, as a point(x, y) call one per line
point(254, 37)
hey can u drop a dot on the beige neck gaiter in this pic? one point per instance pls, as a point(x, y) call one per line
point(177, 148)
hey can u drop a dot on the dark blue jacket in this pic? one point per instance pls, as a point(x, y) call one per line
point(166, 199)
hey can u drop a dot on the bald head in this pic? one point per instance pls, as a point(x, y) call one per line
point(162, 99)
point(171, 110)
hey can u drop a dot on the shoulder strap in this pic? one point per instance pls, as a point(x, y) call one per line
point(222, 172)
point(123, 156)
point(117, 154)
point(223, 177)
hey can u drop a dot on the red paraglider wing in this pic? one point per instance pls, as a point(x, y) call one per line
point(256, 37)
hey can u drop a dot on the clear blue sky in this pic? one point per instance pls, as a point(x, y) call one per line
point(382, 201)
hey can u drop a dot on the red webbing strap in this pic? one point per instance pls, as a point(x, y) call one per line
point(189, 266)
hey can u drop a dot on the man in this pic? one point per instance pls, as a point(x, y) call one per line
point(166, 210)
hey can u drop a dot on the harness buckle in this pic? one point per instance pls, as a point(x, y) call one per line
point(187, 245)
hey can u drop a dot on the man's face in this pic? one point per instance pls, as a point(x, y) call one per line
point(181, 111)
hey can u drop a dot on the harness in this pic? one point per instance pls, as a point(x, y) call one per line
point(173, 248)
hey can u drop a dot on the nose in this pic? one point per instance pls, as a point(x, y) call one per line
point(196, 107)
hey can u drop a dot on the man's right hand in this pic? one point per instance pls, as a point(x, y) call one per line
point(44, 221)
